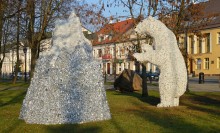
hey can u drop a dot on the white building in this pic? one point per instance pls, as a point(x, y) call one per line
point(10, 60)
point(112, 45)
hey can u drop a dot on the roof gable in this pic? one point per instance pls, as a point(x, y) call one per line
point(112, 32)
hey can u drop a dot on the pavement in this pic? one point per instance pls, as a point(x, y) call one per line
point(211, 84)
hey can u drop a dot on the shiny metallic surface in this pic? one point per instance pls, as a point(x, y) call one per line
point(67, 86)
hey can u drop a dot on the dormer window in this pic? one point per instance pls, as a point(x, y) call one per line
point(100, 38)
point(110, 35)
point(106, 36)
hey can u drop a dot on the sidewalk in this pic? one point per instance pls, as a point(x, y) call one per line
point(211, 84)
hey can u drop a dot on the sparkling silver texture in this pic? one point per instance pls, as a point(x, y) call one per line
point(166, 55)
point(67, 86)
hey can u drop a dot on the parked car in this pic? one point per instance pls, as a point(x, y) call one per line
point(20, 75)
point(152, 75)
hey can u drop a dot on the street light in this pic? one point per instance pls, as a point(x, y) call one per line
point(25, 62)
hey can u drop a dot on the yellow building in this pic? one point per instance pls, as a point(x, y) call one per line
point(204, 52)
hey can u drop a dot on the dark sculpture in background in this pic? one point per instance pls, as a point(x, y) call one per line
point(128, 81)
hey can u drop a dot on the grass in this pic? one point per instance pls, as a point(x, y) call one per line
point(109, 83)
point(198, 112)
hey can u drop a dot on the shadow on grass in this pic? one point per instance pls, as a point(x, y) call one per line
point(73, 128)
point(202, 103)
point(179, 119)
point(152, 100)
point(16, 99)
point(171, 123)
point(173, 119)
point(12, 127)
point(10, 86)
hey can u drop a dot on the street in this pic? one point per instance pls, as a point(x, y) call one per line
point(211, 84)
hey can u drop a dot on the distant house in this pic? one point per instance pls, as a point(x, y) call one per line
point(204, 51)
point(10, 60)
point(112, 44)
point(10, 55)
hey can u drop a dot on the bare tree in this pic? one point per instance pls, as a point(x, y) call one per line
point(137, 11)
point(184, 17)
point(176, 14)
point(17, 42)
point(2, 10)
point(41, 16)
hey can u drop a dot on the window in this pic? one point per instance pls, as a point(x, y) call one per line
point(199, 62)
point(218, 37)
point(218, 62)
point(99, 52)
point(110, 37)
point(118, 51)
point(122, 51)
point(192, 44)
point(206, 63)
point(119, 67)
point(208, 43)
point(200, 45)
point(178, 41)
point(94, 53)
point(112, 51)
point(101, 38)
point(107, 50)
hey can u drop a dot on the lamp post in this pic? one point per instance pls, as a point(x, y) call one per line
point(25, 63)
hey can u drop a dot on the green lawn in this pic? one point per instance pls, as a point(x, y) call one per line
point(198, 112)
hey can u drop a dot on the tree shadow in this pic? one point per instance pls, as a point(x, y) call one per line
point(174, 119)
point(16, 99)
point(171, 123)
point(13, 87)
point(202, 103)
point(12, 127)
point(171, 119)
point(205, 100)
point(73, 128)
point(151, 100)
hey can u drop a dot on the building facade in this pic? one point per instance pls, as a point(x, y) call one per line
point(204, 50)
point(10, 60)
point(113, 45)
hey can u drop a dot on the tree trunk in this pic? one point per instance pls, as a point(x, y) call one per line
point(18, 43)
point(33, 60)
point(186, 61)
point(144, 81)
point(30, 34)
point(115, 59)
point(1, 28)
point(1, 63)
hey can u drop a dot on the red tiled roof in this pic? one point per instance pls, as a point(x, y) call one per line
point(213, 7)
point(210, 9)
point(115, 29)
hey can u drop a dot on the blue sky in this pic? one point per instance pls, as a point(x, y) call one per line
point(117, 10)
point(110, 8)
